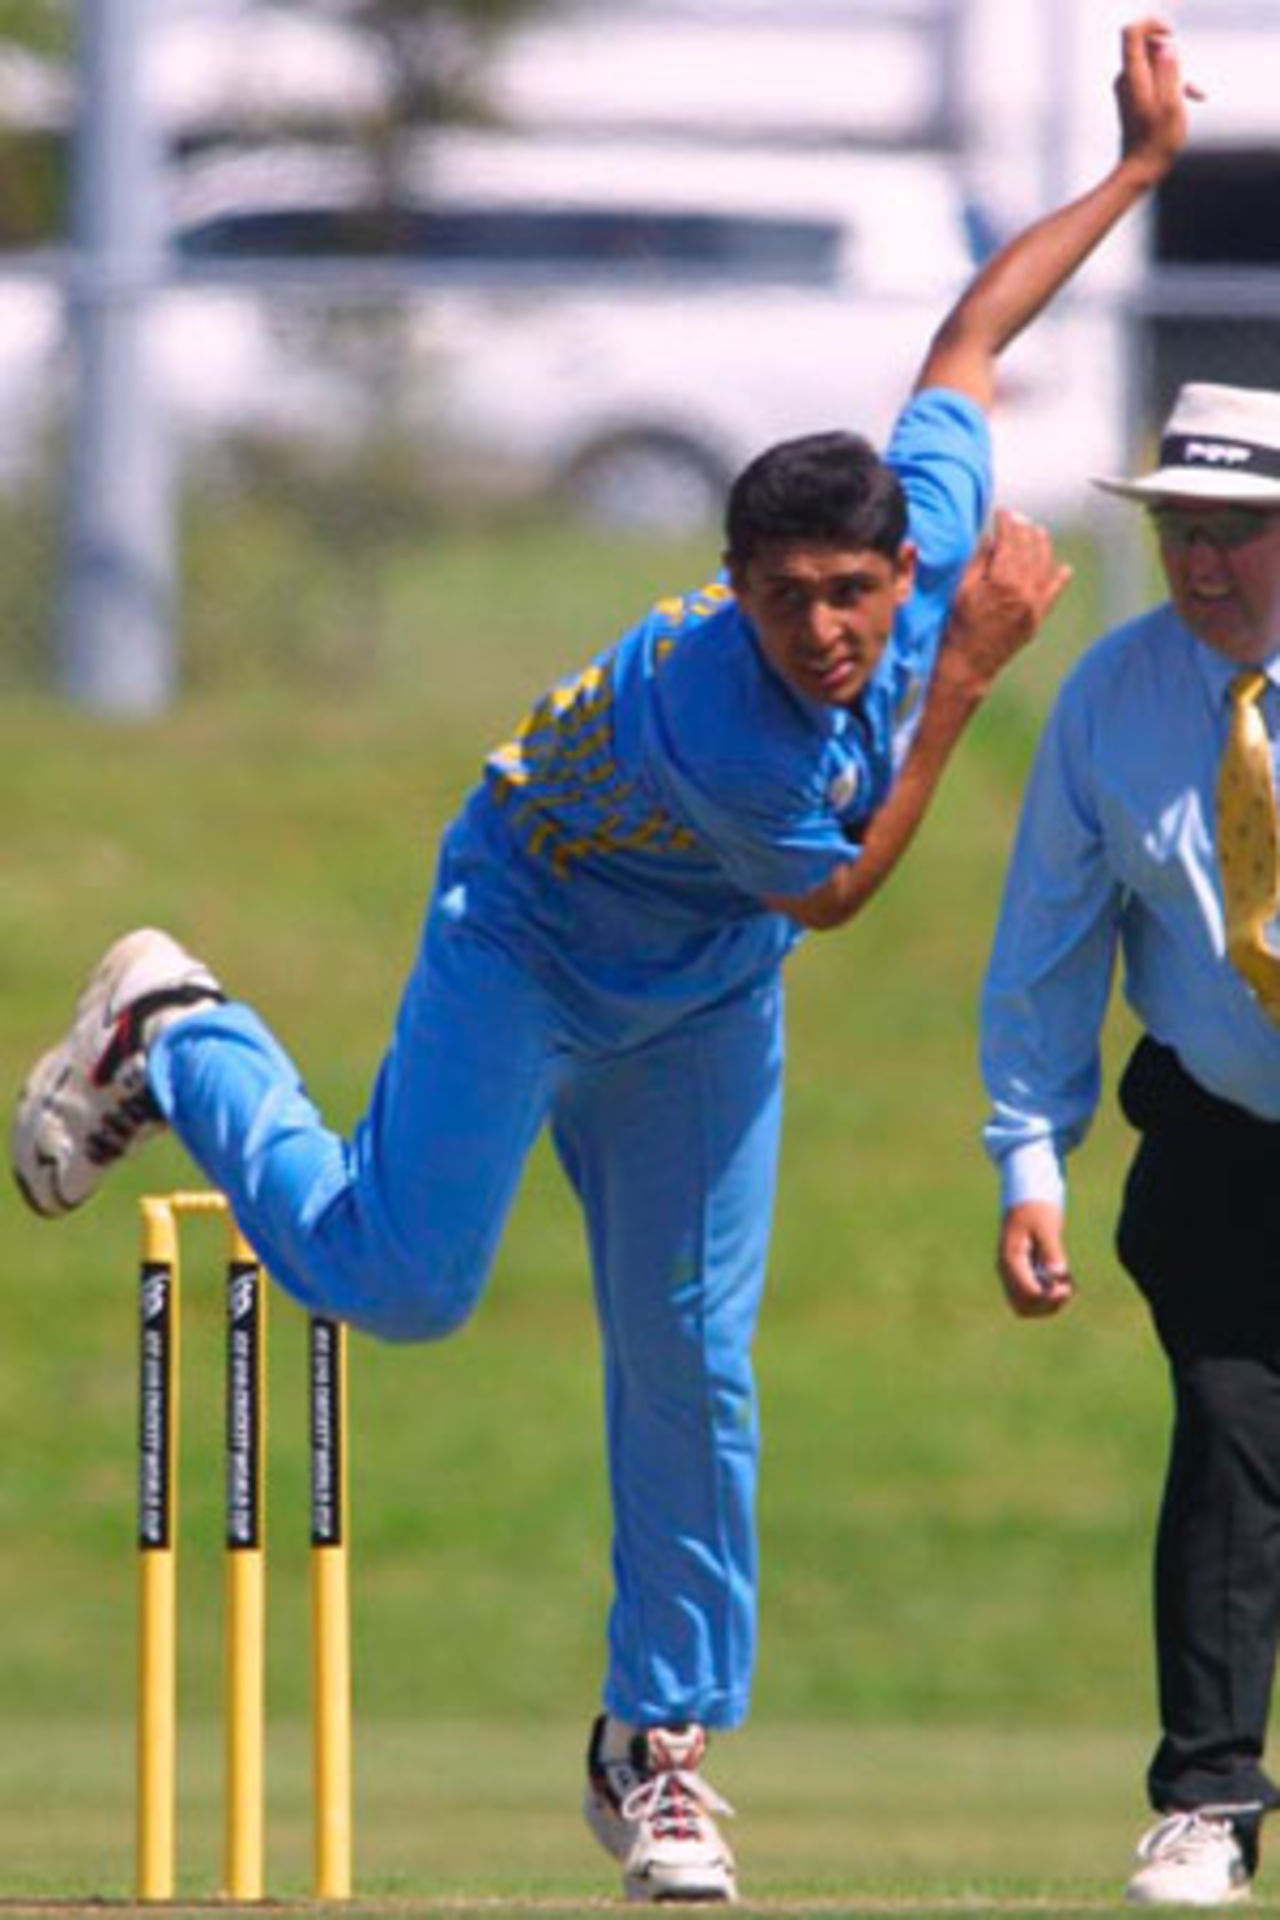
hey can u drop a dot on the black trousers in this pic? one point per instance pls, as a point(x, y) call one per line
point(1200, 1233)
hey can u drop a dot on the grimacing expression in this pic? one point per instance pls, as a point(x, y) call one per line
point(823, 613)
point(1222, 564)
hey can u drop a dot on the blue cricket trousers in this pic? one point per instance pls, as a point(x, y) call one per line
point(671, 1145)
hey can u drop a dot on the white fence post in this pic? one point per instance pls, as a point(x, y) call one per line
point(116, 651)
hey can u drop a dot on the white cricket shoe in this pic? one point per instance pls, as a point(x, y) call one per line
point(652, 1810)
point(1191, 1860)
point(86, 1102)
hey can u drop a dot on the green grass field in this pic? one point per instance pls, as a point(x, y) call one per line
point(954, 1702)
point(450, 1811)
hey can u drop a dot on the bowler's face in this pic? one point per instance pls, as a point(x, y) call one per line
point(823, 614)
point(1223, 568)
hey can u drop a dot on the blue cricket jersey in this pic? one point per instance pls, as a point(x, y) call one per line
point(622, 838)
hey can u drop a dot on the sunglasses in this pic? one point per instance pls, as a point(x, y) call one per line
point(1223, 527)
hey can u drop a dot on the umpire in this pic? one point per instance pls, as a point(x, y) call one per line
point(1149, 826)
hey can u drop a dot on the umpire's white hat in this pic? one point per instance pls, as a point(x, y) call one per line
point(1219, 443)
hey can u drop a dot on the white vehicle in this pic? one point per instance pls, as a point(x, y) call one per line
point(623, 323)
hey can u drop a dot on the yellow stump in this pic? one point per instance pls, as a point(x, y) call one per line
point(245, 1662)
point(157, 1547)
point(330, 1615)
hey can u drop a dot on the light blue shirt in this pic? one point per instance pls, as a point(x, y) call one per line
point(1115, 853)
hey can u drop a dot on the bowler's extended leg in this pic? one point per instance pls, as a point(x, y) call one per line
point(393, 1230)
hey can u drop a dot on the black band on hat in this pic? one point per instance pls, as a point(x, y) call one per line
point(1219, 456)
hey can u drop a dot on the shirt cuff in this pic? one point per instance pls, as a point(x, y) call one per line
point(1032, 1172)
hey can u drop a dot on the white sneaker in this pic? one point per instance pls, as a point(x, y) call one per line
point(86, 1102)
point(1192, 1860)
point(650, 1808)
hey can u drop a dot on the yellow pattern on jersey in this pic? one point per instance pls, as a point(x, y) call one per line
point(557, 772)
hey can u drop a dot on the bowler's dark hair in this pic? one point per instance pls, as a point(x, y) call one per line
point(828, 487)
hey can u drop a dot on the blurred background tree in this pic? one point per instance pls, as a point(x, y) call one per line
point(433, 55)
point(35, 38)
point(42, 26)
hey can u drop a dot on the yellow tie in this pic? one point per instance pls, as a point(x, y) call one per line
point(1248, 843)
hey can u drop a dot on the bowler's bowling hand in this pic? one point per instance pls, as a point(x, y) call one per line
point(1151, 97)
point(1007, 589)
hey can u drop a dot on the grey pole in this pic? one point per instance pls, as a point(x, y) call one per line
point(116, 649)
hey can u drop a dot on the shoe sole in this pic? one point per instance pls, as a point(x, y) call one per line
point(36, 1168)
point(1237, 1897)
point(702, 1895)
